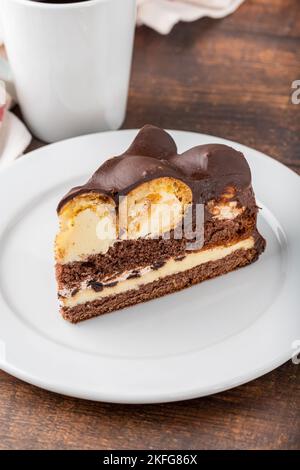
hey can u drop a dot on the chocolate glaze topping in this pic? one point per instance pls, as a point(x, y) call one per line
point(207, 169)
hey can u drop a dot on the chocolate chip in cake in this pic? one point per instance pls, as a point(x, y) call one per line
point(111, 284)
point(96, 286)
point(134, 275)
point(74, 292)
point(157, 265)
point(180, 258)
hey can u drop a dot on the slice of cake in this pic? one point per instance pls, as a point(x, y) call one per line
point(151, 222)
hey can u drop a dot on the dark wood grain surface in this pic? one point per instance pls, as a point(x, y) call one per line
point(230, 78)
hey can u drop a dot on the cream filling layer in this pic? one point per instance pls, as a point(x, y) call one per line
point(93, 229)
point(171, 267)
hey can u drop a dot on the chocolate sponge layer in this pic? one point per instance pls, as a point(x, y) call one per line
point(165, 285)
point(129, 254)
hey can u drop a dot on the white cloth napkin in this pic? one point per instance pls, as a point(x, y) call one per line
point(14, 139)
point(162, 15)
point(14, 136)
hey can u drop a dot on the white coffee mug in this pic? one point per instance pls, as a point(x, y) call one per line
point(70, 63)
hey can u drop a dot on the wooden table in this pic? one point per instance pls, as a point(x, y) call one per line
point(230, 78)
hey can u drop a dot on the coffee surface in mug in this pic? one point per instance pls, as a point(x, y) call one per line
point(58, 1)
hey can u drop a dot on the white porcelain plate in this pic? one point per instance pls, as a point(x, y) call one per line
point(205, 339)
